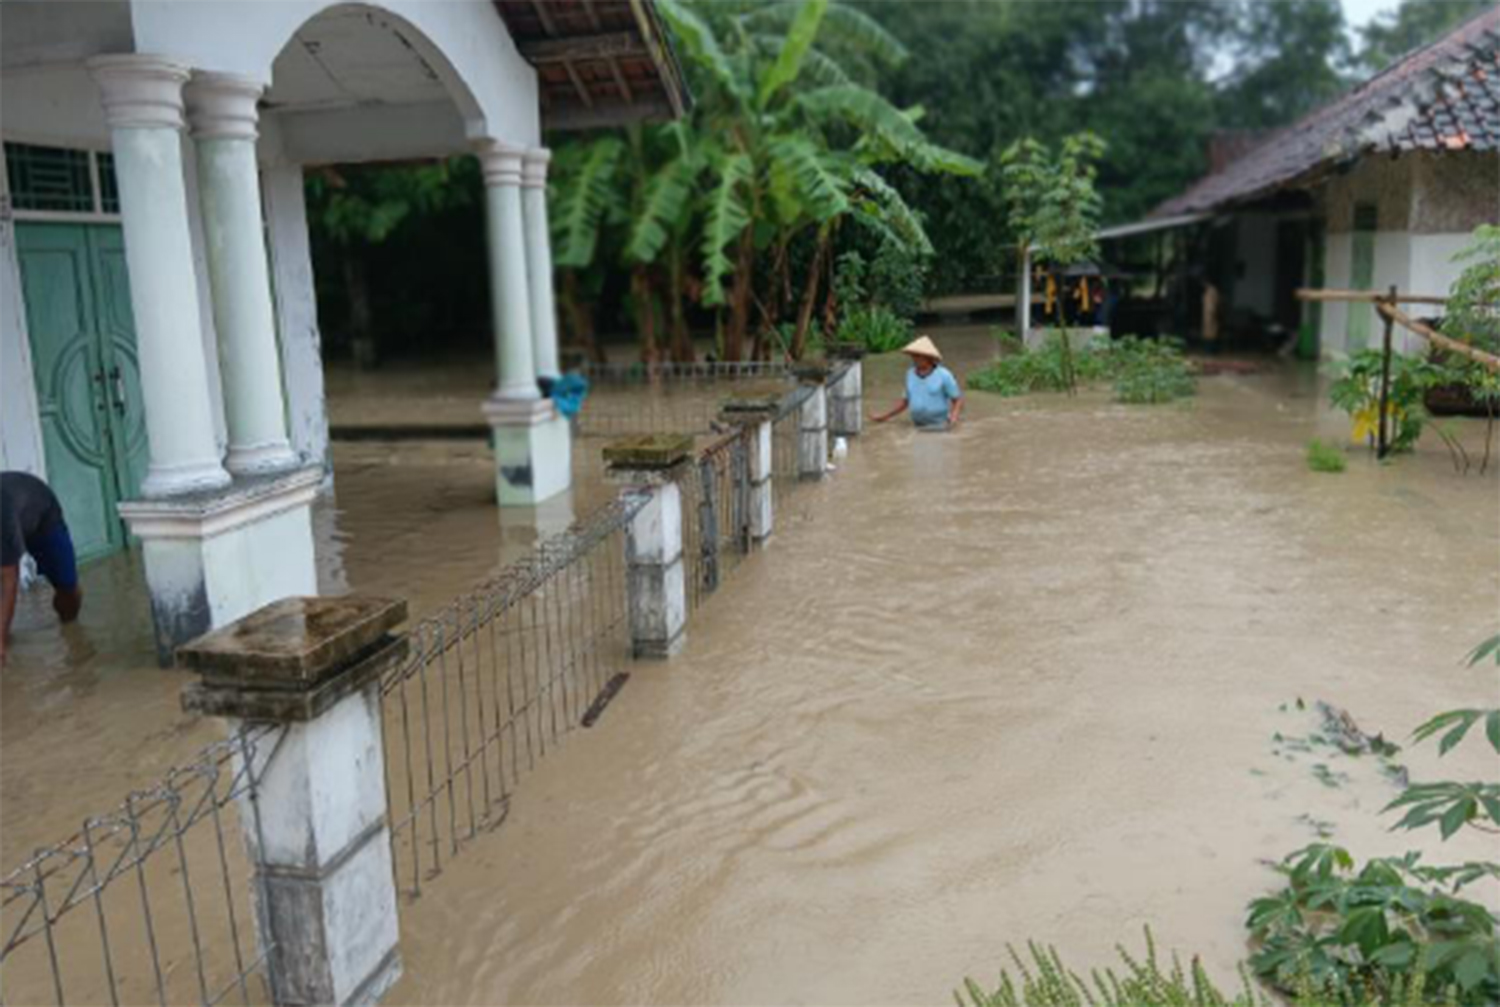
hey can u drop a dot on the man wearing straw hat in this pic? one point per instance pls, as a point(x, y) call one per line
point(932, 392)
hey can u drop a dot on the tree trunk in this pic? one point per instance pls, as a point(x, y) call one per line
point(361, 329)
point(682, 339)
point(578, 316)
point(739, 298)
point(645, 312)
point(809, 296)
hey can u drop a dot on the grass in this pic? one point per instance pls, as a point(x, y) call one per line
point(1324, 457)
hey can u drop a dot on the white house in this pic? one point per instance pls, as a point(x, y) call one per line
point(1380, 187)
point(159, 348)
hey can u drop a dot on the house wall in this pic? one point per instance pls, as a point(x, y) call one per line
point(1427, 206)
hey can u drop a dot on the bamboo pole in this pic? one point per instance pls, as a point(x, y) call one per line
point(1437, 339)
point(1366, 296)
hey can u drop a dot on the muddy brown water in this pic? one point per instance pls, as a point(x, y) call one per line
point(1020, 680)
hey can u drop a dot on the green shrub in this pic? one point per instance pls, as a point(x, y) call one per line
point(878, 329)
point(1042, 980)
point(1395, 930)
point(1150, 371)
point(1324, 457)
point(1143, 371)
point(1356, 390)
point(1006, 341)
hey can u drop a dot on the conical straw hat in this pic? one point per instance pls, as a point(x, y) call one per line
point(922, 347)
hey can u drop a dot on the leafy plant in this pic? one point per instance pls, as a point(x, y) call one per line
point(1356, 390)
point(1148, 371)
point(1324, 457)
point(1041, 979)
point(1142, 371)
point(1395, 930)
point(1054, 208)
point(878, 329)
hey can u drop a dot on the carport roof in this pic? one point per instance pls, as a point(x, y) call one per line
point(1442, 97)
point(599, 62)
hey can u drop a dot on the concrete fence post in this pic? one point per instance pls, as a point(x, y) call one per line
point(655, 577)
point(846, 395)
point(812, 423)
point(315, 822)
point(757, 414)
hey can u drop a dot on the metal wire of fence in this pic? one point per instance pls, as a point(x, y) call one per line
point(149, 902)
point(706, 372)
point(786, 431)
point(715, 513)
point(496, 680)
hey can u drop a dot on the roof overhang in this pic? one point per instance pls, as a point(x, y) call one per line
point(599, 63)
point(1147, 226)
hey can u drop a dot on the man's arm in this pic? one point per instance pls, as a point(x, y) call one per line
point(955, 409)
point(10, 584)
point(891, 414)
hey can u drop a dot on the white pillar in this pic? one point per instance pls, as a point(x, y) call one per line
point(812, 434)
point(1023, 300)
point(533, 442)
point(509, 297)
point(846, 395)
point(316, 819)
point(223, 114)
point(539, 261)
point(143, 103)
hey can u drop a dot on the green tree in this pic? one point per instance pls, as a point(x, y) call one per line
point(1288, 58)
point(1414, 23)
point(1054, 209)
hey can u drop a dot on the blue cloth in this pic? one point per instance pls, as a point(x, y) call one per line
point(568, 393)
point(928, 397)
point(55, 559)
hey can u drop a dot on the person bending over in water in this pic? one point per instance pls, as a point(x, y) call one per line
point(31, 521)
point(932, 393)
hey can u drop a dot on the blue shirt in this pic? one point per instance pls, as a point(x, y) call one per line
point(928, 397)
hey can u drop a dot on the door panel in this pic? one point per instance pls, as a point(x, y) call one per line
point(1361, 274)
point(71, 395)
point(122, 366)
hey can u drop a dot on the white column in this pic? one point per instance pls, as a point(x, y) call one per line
point(1023, 300)
point(539, 261)
point(509, 297)
point(143, 103)
point(223, 114)
point(812, 434)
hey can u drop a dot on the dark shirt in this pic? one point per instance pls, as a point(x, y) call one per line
point(28, 508)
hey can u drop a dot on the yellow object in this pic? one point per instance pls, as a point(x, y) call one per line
point(1051, 290)
point(1367, 424)
point(922, 347)
point(1083, 294)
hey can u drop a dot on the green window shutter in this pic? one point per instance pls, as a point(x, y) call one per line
point(109, 189)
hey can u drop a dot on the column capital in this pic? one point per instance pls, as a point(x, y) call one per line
point(534, 168)
point(222, 106)
point(140, 91)
point(501, 162)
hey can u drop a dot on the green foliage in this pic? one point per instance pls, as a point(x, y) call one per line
point(1143, 371)
point(1473, 310)
point(1150, 371)
point(1356, 390)
point(1414, 23)
point(1395, 930)
point(1324, 457)
point(878, 329)
point(1041, 979)
point(896, 279)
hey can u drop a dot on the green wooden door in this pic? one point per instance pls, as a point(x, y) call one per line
point(1361, 274)
point(83, 356)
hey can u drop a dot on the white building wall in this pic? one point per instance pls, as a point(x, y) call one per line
point(465, 42)
point(1337, 263)
point(20, 422)
point(296, 312)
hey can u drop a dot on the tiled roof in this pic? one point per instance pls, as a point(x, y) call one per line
point(1445, 96)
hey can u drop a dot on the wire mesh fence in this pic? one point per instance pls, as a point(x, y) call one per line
point(495, 681)
point(715, 513)
point(151, 902)
point(705, 372)
point(786, 431)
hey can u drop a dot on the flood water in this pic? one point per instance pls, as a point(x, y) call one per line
point(1017, 681)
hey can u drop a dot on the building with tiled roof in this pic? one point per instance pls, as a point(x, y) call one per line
point(1380, 187)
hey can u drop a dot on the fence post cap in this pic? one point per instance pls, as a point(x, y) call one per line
point(750, 408)
point(846, 351)
point(813, 372)
point(293, 658)
point(648, 451)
